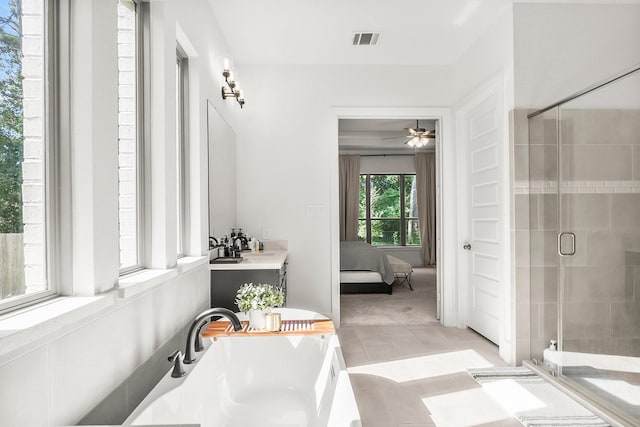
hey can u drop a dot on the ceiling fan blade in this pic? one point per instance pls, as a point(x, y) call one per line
point(411, 131)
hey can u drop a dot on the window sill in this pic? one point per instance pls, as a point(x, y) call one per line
point(188, 263)
point(30, 327)
point(141, 281)
point(39, 322)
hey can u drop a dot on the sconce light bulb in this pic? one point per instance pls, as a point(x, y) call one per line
point(233, 86)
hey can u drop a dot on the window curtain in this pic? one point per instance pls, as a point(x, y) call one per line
point(425, 164)
point(349, 197)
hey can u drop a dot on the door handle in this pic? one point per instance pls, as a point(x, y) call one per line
point(467, 246)
point(573, 244)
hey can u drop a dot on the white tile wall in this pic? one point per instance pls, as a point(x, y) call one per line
point(24, 392)
point(90, 362)
point(97, 362)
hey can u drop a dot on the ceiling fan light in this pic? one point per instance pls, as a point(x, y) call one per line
point(421, 141)
point(413, 142)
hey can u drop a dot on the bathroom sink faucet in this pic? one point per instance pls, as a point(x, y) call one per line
point(243, 242)
point(201, 319)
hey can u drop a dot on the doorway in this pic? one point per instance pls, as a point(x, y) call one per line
point(437, 117)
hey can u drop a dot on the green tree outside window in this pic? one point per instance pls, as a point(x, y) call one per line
point(388, 210)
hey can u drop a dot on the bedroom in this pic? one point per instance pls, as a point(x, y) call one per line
point(380, 217)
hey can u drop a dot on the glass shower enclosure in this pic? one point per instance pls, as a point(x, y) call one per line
point(584, 179)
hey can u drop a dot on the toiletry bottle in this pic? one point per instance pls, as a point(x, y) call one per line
point(226, 246)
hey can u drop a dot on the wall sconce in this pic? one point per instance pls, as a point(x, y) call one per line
point(231, 90)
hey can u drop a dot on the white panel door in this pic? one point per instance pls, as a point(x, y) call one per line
point(483, 250)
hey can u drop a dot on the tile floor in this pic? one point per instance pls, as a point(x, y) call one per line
point(415, 376)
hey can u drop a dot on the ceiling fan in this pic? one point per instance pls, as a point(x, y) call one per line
point(418, 137)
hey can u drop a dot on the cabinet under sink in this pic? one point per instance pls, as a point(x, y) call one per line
point(262, 267)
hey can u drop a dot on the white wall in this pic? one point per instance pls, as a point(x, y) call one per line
point(58, 378)
point(563, 48)
point(488, 62)
point(491, 54)
point(288, 143)
point(33, 152)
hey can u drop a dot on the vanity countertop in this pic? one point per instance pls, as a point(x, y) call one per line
point(269, 259)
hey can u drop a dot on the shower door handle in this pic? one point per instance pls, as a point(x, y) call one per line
point(573, 244)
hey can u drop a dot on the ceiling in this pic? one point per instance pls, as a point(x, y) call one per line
point(379, 135)
point(413, 32)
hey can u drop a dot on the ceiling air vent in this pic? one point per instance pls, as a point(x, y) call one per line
point(365, 39)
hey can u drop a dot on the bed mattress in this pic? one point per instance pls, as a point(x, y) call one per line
point(360, 277)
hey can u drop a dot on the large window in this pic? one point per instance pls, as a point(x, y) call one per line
point(388, 210)
point(181, 150)
point(130, 153)
point(26, 150)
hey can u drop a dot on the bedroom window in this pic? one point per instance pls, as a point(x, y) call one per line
point(388, 210)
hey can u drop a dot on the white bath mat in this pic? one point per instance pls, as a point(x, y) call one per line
point(533, 401)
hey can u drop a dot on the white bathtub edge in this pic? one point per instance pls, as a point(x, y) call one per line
point(344, 411)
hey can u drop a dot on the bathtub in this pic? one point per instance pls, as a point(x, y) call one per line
point(257, 381)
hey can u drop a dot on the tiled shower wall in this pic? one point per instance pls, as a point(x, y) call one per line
point(601, 205)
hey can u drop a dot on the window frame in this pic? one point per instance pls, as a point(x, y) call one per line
point(403, 219)
point(182, 150)
point(52, 33)
point(140, 141)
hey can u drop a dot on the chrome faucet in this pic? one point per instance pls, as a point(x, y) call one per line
point(177, 358)
point(201, 319)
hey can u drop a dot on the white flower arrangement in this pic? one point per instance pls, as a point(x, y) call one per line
point(259, 297)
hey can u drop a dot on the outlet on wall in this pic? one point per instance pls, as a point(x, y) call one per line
point(266, 233)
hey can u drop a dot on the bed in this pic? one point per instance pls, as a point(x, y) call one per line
point(364, 269)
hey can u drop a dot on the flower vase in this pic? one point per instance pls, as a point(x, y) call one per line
point(257, 319)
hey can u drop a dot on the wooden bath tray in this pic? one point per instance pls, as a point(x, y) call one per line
point(223, 328)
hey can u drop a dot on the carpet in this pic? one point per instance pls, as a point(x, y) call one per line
point(532, 400)
point(403, 307)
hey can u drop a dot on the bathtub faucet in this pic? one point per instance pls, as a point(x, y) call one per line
point(201, 319)
point(177, 358)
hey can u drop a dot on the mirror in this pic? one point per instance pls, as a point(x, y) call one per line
point(221, 141)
